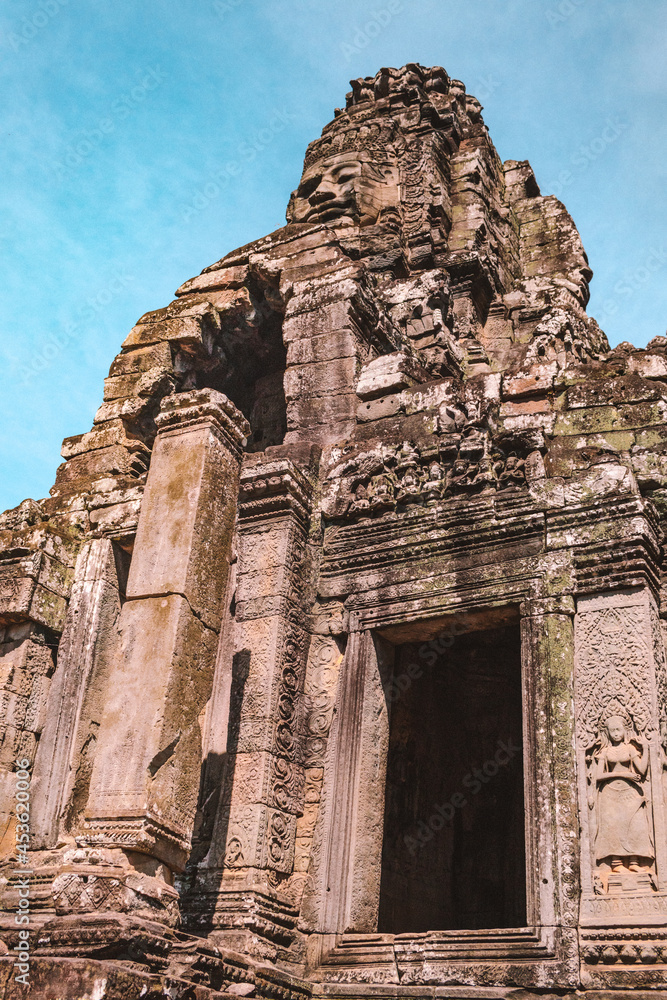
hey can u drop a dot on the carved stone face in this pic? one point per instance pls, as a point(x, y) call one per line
point(616, 729)
point(345, 185)
point(581, 273)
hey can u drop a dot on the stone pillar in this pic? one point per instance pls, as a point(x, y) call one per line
point(36, 563)
point(144, 784)
point(94, 607)
point(252, 849)
point(26, 666)
point(343, 893)
point(552, 883)
point(621, 675)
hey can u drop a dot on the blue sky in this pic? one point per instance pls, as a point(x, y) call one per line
point(119, 117)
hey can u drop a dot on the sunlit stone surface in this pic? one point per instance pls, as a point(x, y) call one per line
point(336, 652)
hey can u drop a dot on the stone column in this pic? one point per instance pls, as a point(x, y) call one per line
point(26, 666)
point(621, 675)
point(94, 607)
point(144, 784)
point(552, 883)
point(343, 893)
point(36, 563)
point(252, 849)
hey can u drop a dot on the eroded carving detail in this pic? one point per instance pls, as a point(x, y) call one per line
point(616, 727)
point(435, 428)
point(618, 772)
point(614, 652)
point(406, 475)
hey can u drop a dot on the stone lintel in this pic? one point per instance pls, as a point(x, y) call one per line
point(562, 605)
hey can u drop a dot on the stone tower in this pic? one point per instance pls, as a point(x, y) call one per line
point(334, 666)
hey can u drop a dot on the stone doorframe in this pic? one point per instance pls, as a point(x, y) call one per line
point(345, 878)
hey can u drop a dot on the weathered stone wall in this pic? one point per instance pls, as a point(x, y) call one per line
point(390, 421)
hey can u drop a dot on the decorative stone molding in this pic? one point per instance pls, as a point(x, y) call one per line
point(186, 409)
point(273, 489)
point(437, 446)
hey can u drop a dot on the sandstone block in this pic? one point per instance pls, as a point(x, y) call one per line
point(322, 347)
point(223, 277)
point(130, 408)
point(529, 422)
point(648, 365)
point(327, 411)
point(114, 460)
point(140, 359)
point(389, 373)
point(104, 435)
point(320, 379)
point(120, 386)
point(538, 381)
point(34, 588)
point(318, 310)
point(626, 389)
point(187, 331)
point(513, 408)
point(603, 418)
point(376, 409)
point(187, 512)
point(119, 518)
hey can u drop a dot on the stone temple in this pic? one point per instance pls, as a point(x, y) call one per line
point(335, 661)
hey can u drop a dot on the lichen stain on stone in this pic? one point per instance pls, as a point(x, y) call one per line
point(224, 636)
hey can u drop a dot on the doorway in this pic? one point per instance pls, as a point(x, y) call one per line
point(454, 855)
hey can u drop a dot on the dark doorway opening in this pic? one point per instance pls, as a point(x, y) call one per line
point(454, 852)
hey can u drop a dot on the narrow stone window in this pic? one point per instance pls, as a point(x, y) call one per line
point(454, 854)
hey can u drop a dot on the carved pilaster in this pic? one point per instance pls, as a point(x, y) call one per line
point(255, 831)
point(343, 888)
point(549, 768)
point(94, 607)
point(143, 788)
point(620, 712)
